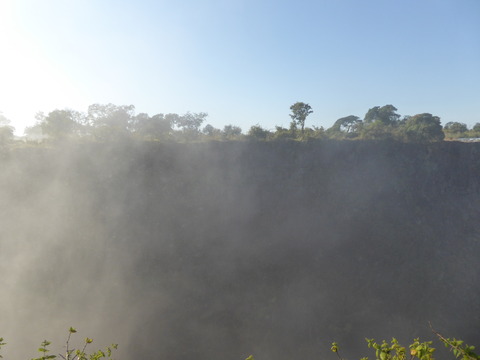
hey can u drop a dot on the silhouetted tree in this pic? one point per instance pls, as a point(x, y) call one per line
point(300, 111)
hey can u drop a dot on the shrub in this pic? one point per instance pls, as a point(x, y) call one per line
point(417, 350)
point(71, 353)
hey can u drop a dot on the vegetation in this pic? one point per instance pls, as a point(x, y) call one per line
point(72, 353)
point(383, 351)
point(417, 350)
point(6, 131)
point(104, 122)
point(300, 111)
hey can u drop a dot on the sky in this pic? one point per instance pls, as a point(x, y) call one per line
point(244, 62)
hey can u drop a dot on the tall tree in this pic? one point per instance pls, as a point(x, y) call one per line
point(299, 114)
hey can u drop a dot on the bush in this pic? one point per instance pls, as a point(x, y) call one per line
point(71, 353)
point(417, 350)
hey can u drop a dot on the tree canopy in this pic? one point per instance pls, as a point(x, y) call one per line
point(423, 128)
point(300, 111)
point(110, 121)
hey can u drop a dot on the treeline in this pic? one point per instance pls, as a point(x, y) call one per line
point(109, 121)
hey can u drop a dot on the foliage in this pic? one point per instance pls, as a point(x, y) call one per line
point(347, 127)
point(157, 127)
point(285, 134)
point(6, 131)
point(456, 127)
point(71, 353)
point(423, 128)
point(59, 124)
point(116, 122)
point(300, 111)
point(1, 344)
point(231, 132)
point(108, 121)
point(417, 349)
point(459, 349)
point(256, 132)
point(6, 134)
point(377, 130)
point(189, 124)
point(386, 114)
point(211, 132)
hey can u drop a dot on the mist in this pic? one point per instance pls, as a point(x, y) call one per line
point(225, 249)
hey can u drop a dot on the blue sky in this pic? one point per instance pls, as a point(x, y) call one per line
point(242, 61)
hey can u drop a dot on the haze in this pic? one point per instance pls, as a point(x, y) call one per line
point(222, 249)
point(137, 225)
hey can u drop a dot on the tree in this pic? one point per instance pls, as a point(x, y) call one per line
point(423, 128)
point(34, 132)
point(282, 133)
point(377, 130)
point(346, 127)
point(110, 121)
point(212, 132)
point(380, 123)
point(385, 114)
point(300, 111)
point(455, 127)
point(231, 132)
point(59, 124)
point(6, 131)
point(256, 132)
point(156, 127)
point(189, 124)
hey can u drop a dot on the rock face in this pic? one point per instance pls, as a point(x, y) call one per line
point(220, 250)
